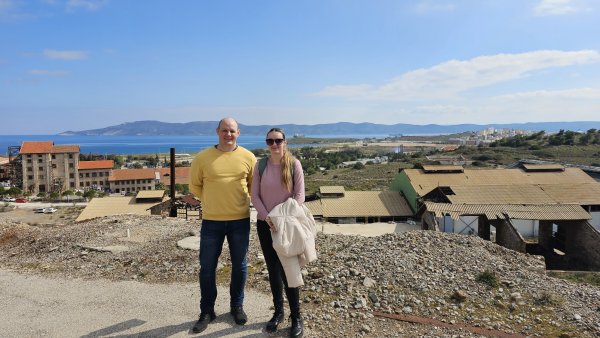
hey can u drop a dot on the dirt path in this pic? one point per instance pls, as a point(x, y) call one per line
point(57, 307)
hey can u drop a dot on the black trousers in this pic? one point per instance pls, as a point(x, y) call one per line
point(276, 274)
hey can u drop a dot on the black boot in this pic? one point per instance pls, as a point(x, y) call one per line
point(275, 320)
point(297, 329)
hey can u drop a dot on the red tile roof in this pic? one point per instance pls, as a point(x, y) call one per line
point(36, 147)
point(132, 174)
point(102, 164)
point(47, 147)
point(182, 175)
point(65, 148)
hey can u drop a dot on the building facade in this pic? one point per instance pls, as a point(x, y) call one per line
point(95, 174)
point(47, 167)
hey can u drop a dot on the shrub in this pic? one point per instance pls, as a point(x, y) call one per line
point(488, 277)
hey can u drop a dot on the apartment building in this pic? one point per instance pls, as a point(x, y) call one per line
point(132, 180)
point(47, 167)
point(95, 174)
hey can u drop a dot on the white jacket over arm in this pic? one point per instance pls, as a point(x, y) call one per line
point(293, 238)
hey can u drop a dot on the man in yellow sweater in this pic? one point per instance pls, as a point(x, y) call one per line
point(221, 178)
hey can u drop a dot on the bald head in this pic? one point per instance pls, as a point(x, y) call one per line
point(228, 121)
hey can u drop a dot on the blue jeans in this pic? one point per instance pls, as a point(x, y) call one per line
point(212, 236)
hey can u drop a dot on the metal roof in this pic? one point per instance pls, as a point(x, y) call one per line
point(446, 168)
point(425, 182)
point(332, 189)
point(106, 206)
point(517, 211)
point(150, 194)
point(362, 204)
point(543, 166)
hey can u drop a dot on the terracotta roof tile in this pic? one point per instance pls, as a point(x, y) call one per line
point(182, 175)
point(36, 147)
point(65, 148)
point(102, 164)
point(132, 174)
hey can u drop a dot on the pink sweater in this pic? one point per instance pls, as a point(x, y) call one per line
point(268, 191)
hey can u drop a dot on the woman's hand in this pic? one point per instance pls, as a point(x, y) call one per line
point(270, 223)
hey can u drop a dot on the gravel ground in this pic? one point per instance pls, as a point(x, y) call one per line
point(455, 279)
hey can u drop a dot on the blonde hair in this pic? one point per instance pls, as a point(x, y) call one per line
point(287, 161)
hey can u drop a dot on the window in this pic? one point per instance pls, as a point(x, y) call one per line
point(87, 174)
point(30, 177)
point(40, 160)
point(72, 184)
point(54, 166)
point(70, 155)
point(28, 161)
point(94, 175)
point(100, 174)
point(87, 184)
point(71, 176)
point(30, 169)
point(81, 184)
point(41, 168)
point(53, 157)
point(71, 165)
point(28, 156)
point(80, 175)
point(41, 177)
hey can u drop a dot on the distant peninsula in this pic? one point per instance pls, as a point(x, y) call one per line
point(152, 128)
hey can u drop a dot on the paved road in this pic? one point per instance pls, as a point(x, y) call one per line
point(36, 306)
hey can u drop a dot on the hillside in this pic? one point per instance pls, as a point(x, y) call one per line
point(455, 279)
point(339, 128)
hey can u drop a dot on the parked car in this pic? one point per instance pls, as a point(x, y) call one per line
point(8, 199)
point(50, 210)
point(38, 210)
point(21, 200)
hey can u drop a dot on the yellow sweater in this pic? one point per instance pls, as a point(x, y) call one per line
point(222, 181)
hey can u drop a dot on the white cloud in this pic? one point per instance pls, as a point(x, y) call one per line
point(576, 93)
point(45, 72)
point(90, 5)
point(555, 7)
point(449, 79)
point(65, 54)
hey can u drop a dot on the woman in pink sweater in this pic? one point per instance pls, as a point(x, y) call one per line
point(274, 185)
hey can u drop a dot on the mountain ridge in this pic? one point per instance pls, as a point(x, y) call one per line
point(152, 127)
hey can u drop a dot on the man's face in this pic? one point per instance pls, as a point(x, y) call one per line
point(228, 132)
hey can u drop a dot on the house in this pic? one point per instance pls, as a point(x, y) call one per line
point(337, 205)
point(540, 209)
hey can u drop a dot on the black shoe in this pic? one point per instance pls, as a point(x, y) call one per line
point(275, 320)
point(297, 329)
point(203, 320)
point(239, 316)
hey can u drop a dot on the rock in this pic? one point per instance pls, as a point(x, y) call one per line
point(190, 243)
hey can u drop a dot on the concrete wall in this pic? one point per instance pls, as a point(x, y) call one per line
point(527, 228)
point(508, 237)
point(582, 246)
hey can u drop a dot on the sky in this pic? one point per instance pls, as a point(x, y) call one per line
point(87, 64)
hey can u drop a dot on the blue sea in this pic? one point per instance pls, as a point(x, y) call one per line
point(124, 145)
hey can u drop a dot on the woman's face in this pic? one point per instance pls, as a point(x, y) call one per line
point(276, 143)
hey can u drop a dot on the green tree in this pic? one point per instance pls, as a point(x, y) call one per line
point(68, 193)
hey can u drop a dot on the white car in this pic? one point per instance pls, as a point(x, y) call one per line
point(9, 199)
point(38, 210)
point(50, 210)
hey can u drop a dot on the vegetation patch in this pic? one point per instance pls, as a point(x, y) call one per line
point(489, 278)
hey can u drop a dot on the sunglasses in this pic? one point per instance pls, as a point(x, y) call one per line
point(277, 141)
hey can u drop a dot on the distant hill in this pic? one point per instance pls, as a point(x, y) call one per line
point(340, 128)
